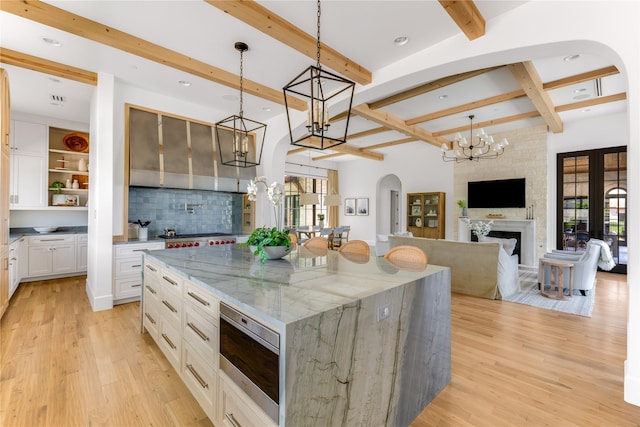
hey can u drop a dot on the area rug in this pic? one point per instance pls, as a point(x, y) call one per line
point(530, 295)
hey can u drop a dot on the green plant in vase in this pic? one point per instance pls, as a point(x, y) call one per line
point(463, 205)
point(56, 186)
point(265, 237)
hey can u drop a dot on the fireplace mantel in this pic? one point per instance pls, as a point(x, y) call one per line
point(526, 227)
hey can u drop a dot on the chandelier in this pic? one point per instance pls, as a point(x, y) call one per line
point(482, 147)
point(318, 87)
point(240, 140)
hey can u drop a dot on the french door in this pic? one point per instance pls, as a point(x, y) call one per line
point(592, 201)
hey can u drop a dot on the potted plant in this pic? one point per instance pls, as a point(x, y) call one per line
point(56, 186)
point(269, 243)
point(321, 221)
point(462, 204)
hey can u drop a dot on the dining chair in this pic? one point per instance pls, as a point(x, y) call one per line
point(355, 247)
point(293, 238)
point(345, 232)
point(407, 257)
point(316, 242)
point(335, 239)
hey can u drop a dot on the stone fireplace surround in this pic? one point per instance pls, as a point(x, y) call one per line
point(526, 240)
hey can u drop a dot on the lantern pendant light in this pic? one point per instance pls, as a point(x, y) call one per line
point(319, 88)
point(240, 140)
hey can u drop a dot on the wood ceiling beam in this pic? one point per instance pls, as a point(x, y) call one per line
point(261, 18)
point(526, 74)
point(45, 66)
point(328, 156)
point(369, 132)
point(428, 87)
point(579, 78)
point(591, 102)
point(395, 123)
point(466, 107)
point(390, 143)
point(467, 16)
point(61, 19)
point(355, 151)
point(296, 151)
point(494, 122)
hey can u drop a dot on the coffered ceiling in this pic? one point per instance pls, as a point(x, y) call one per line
point(54, 51)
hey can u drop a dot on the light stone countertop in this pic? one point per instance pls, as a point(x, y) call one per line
point(287, 290)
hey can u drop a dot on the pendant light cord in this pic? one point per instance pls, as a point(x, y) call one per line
point(241, 63)
point(318, 43)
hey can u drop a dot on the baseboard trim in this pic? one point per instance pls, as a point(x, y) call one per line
point(631, 385)
point(100, 303)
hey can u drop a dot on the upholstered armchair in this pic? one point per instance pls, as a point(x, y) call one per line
point(585, 265)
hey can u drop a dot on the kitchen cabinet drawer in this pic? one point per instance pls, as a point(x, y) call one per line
point(127, 287)
point(151, 317)
point(128, 266)
point(237, 409)
point(151, 269)
point(131, 249)
point(201, 333)
point(171, 308)
point(202, 299)
point(151, 290)
point(171, 281)
point(201, 379)
point(170, 343)
point(51, 239)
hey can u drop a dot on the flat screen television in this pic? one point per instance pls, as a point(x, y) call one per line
point(503, 193)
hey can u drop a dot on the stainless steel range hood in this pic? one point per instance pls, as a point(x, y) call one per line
point(171, 152)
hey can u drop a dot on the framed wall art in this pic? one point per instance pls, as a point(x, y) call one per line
point(362, 206)
point(349, 206)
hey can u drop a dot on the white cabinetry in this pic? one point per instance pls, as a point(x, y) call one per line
point(28, 138)
point(237, 409)
point(28, 165)
point(81, 252)
point(183, 320)
point(52, 255)
point(127, 269)
point(14, 268)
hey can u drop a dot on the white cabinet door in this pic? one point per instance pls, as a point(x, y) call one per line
point(23, 258)
point(39, 260)
point(14, 278)
point(28, 182)
point(63, 259)
point(81, 253)
point(29, 138)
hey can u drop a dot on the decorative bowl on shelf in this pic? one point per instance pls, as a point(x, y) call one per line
point(76, 142)
point(45, 229)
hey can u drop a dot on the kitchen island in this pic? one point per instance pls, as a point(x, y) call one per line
point(362, 343)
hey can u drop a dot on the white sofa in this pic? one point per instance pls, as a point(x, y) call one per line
point(479, 269)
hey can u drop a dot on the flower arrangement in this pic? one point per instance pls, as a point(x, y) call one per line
point(265, 236)
point(479, 228)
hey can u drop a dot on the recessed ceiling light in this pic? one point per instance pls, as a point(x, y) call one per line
point(582, 89)
point(266, 108)
point(401, 40)
point(571, 58)
point(443, 96)
point(52, 42)
point(184, 83)
point(583, 96)
point(586, 110)
point(55, 80)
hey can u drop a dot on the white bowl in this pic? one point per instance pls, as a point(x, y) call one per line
point(45, 229)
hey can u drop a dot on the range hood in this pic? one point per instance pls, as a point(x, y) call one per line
point(171, 152)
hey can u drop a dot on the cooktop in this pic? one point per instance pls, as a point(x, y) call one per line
point(193, 235)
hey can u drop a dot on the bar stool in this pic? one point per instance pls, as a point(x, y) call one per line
point(556, 269)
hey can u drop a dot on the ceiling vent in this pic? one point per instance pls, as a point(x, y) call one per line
point(58, 98)
point(597, 85)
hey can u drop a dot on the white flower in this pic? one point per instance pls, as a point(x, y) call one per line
point(275, 192)
point(479, 228)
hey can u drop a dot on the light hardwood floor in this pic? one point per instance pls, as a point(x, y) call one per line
point(513, 365)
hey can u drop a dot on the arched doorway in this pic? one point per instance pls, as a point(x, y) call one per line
point(388, 205)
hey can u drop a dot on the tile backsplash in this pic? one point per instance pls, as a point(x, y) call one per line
point(165, 208)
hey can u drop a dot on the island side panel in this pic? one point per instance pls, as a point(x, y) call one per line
point(354, 366)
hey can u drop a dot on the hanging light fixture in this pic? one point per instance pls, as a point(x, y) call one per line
point(240, 140)
point(332, 200)
point(309, 198)
point(483, 147)
point(318, 87)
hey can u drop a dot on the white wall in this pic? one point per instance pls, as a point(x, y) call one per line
point(419, 169)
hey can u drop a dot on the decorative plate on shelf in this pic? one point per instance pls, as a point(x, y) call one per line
point(76, 142)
